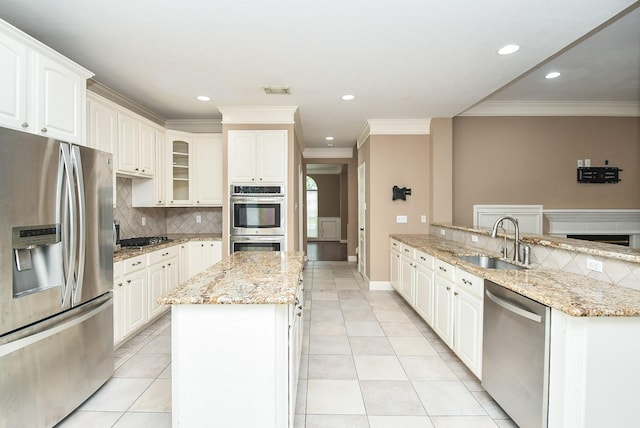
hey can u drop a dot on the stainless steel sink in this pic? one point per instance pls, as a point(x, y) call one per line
point(489, 262)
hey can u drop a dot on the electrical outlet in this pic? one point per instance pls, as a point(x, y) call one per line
point(579, 163)
point(587, 163)
point(144, 221)
point(443, 232)
point(474, 238)
point(198, 219)
point(401, 219)
point(594, 265)
point(423, 218)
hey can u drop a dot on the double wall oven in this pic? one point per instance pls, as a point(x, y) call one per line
point(257, 218)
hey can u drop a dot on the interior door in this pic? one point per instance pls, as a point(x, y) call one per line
point(362, 207)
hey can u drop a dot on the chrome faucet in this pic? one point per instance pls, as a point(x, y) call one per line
point(516, 238)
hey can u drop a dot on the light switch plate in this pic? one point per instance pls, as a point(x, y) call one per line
point(198, 219)
point(401, 219)
point(423, 218)
point(474, 238)
point(594, 265)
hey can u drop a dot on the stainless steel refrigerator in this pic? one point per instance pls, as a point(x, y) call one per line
point(56, 277)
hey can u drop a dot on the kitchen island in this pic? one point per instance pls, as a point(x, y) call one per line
point(236, 342)
point(595, 324)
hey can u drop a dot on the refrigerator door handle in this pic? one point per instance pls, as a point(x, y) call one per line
point(67, 221)
point(80, 204)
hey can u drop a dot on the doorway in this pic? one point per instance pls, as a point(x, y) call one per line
point(326, 211)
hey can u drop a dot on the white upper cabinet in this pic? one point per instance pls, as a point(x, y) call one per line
point(257, 157)
point(41, 91)
point(208, 169)
point(102, 132)
point(136, 146)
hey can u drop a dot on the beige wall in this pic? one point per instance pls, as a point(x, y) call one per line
point(533, 160)
point(328, 194)
point(441, 138)
point(405, 161)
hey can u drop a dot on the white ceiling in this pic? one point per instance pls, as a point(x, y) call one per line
point(407, 59)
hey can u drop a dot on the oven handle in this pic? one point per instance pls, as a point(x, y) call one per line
point(262, 199)
point(257, 238)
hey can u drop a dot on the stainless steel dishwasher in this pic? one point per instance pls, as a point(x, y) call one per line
point(515, 355)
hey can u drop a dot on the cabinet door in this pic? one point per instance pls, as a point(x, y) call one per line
point(395, 270)
point(160, 175)
point(103, 126)
point(172, 274)
point(119, 318)
point(208, 171)
point(60, 101)
point(179, 191)
point(242, 156)
point(147, 150)
point(424, 293)
point(468, 330)
point(197, 254)
point(272, 156)
point(156, 288)
point(214, 253)
point(183, 254)
point(136, 300)
point(407, 279)
point(128, 147)
point(443, 313)
point(13, 84)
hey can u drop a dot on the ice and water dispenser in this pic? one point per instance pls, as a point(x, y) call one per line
point(37, 256)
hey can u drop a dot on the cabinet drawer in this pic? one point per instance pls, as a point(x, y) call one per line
point(469, 282)
point(164, 254)
point(445, 270)
point(135, 263)
point(424, 259)
point(396, 245)
point(408, 251)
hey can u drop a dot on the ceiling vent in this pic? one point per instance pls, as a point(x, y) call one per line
point(277, 90)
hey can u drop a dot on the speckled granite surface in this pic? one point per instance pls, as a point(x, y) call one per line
point(587, 247)
point(127, 253)
point(572, 294)
point(245, 277)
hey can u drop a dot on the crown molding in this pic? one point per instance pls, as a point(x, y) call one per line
point(258, 115)
point(195, 125)
point(328, 153)
point(115, 97)
point(554, 108)
point(393, 127)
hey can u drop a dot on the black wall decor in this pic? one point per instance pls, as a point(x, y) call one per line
point(400, 193)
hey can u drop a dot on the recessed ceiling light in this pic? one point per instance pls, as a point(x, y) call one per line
point(348, 97)
point(552, 75)
point(328, 138)
point(508, 49)
point(203, 98)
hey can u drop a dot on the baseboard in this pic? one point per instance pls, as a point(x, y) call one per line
point(380, 285)
point(352, 258)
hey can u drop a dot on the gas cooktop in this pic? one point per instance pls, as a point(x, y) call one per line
point(143, 241)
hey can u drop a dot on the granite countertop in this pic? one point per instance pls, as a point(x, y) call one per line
point(572, 294)
point(127, 253)
point(245, 277)
point(587, 247)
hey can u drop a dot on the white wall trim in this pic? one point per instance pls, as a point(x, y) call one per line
point(593, 221)
point(352, 258)
point(328, 153)
point(554, 108)
point(363, 134)
point(123, 102)
point(258, 114)
point(393, 127)
point(380, 286)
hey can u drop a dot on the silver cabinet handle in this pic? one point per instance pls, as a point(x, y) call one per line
point(43, 130)
point(455, 293)
point(442, 268)
point(25, 125)
point(448, 288)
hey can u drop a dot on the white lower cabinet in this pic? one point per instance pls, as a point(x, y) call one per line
point(443, 301)
point(118, 303)
point(163, 277)
point(203, 254)
point(296, 314)
point(448, 298)
point(467, 335)
point(424, 288)
point(135, 294)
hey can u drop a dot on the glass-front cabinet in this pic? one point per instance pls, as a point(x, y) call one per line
point(180, 149)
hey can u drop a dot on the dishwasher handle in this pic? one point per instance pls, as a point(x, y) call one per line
point(513, 308)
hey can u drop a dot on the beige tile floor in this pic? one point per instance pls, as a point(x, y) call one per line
point(368, 361)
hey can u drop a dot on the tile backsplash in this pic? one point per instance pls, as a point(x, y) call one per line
point(161, 221)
